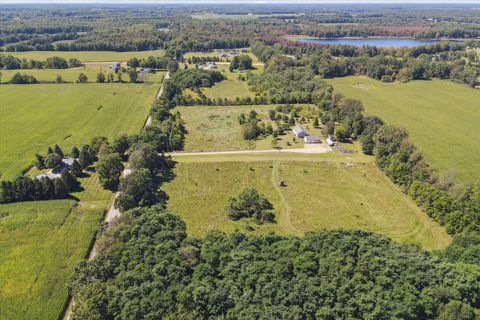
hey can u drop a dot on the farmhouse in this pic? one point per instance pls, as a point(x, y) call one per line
point(210, 65)
point(115, 66)
point(51, 176)
point(312, 139)
point(67, 162)
point(299, 132)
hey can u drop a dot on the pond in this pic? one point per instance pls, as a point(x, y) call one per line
point(378, 42)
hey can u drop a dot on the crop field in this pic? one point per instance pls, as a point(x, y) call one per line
point(87, 56)
point(318, 195)
point(213, 128)
point(71, 74)
point(34, 117)
point(40, 243)
point(441, 117)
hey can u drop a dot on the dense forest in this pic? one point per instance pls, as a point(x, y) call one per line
point(143, 27)
point(152, 270)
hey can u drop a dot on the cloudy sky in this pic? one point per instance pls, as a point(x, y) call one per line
point(240, 1)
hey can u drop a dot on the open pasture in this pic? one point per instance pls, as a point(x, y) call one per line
point(40, 243)
point(214, 128)
point(318, 194)
point(441, 117)
point(87, 56)
point(33, 117)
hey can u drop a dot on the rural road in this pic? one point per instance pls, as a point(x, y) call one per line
point(113, 212)
point(309, 148)
point(159, 94)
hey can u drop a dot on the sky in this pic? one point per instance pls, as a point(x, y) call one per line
point(240, 1)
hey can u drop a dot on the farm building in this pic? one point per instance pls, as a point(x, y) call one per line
point(299, 132)
point(312, 139)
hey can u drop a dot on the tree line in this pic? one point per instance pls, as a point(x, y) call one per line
point(152, 269)
point(9, 62)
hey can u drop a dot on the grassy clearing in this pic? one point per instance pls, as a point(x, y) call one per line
point(214, 128)
point(441, 117)
point(33, 117)
point(319, 194)
point(217, 53)
point(87, 56)
point(40, 243)
point(71, 74)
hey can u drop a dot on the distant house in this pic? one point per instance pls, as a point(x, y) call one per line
point(331, 140)
point(311, 139)
point(67, 162)
point(299, 132)
point(51, 176)
point(210, 65)
point(115, 66)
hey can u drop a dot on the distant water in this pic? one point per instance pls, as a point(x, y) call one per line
point(378, 42)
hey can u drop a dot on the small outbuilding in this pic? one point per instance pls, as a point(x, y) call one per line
point(312, 139)
point(299, 132)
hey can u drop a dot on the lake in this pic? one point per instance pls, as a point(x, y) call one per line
point(378, 42)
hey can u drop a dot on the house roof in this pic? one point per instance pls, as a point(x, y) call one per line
point(298, 129)
point(51, 176)
point(68, 161)
point(312, 139)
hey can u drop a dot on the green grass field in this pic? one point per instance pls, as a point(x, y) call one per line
point(87, 56)
point(214, 128)
point(441, 117)
point(33, 117)
point(40, 243)
point(71, 74)
point(319, 194)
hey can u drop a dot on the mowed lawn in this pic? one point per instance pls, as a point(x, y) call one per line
point(40, 243)
point(87, 56)
point(216, 128)
point(33, 117)
point(71, 74)
point(318, 194)
point(441, 117)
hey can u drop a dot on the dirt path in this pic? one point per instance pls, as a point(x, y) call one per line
point(284, 217)
point(159, 94)
point(309, 148)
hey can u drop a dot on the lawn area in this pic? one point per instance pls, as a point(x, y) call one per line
point(217, 53)
point(214, 128)
point(87, 56)
point(33, 117)
point(71, 74)
point(441, 117)
point(319, 194)
point(229, 88)
point(40, 243)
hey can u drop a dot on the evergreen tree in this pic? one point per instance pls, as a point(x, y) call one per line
point(75, 153)
point(40, 161)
